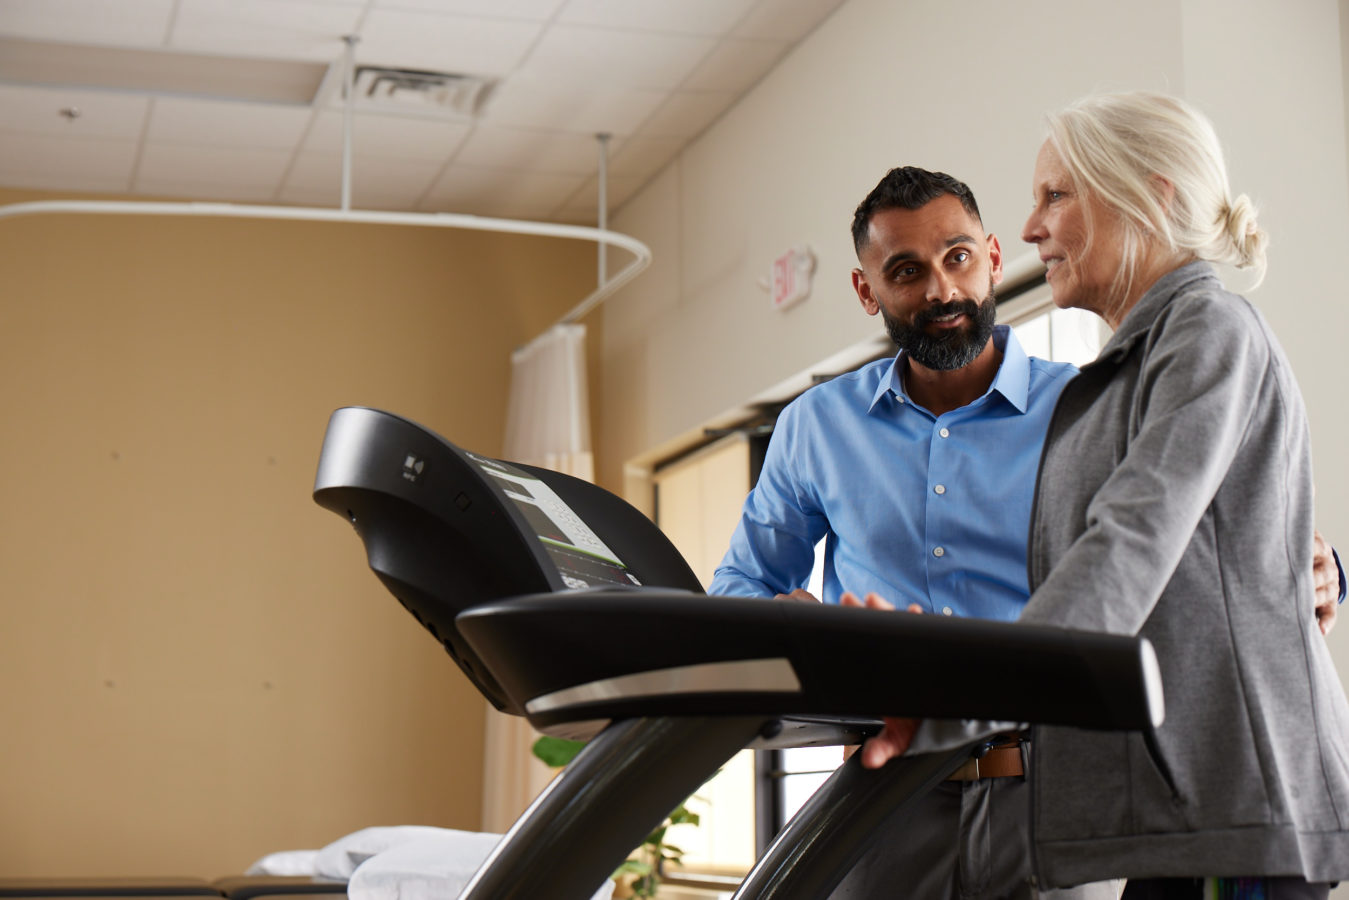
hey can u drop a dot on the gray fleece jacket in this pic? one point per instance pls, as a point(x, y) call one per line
point(1175, 501)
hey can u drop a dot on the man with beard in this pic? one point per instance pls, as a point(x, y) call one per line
point(918, 473)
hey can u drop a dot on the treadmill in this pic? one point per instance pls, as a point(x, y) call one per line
point(563, 604)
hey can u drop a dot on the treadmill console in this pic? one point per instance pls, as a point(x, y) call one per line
point(445, 529)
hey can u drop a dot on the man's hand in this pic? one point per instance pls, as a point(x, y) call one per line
point(873, 601)
point(1326, 577)
point(800, 595)
point(898, 733)
point(893, 740)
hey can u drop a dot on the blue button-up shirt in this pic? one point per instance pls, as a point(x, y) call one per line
point(925, 509)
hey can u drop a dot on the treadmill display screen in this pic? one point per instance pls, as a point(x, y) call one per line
point(581, 558)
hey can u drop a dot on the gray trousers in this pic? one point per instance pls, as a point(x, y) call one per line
point(967, 840)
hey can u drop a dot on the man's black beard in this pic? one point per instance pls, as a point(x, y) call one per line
point(950, 349)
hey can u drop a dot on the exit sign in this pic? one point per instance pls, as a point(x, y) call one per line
point(791, 277)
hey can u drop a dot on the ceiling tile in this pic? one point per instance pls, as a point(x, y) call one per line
point(784, 20)
point(707, 17)
point(101, 113)
point(630, 59)
point(225, 124)
point(533, 10)
point(642, 156)
point(316, 179)
point(735, 65)
point(66, 164)
point(289, 29)
point(539, 151)
point(388, 137)
point(142, 23)
point(184, 164)
point(500, 192)
point(531, 102)
point(444, 43)
point(198, 191)
point(687, 113)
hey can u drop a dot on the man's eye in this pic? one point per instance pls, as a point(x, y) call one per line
point(960, 256)
point(906, 272)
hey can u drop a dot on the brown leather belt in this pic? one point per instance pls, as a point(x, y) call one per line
point(1002, 761)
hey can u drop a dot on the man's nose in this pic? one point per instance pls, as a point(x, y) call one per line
point(941, 287)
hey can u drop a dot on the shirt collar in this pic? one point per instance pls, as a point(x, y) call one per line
point(1012, 380)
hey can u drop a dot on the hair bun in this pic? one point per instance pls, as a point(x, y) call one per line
point(1244, 231)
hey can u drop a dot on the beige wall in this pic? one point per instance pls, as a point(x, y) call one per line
point(927, 83)
point(196, 666)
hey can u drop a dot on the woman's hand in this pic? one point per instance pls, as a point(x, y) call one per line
point(1326, 577)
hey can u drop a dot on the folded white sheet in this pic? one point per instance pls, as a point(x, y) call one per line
point(431, 867)
point(340, 858)
point(286, 862)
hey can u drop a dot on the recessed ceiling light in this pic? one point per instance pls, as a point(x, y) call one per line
point(150, 71)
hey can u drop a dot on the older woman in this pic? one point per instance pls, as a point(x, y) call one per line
point(1175, 501)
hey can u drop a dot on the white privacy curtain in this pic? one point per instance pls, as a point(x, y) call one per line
point(547, 425)
point(548, 420)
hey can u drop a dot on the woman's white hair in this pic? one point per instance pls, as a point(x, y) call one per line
point(1126, 148)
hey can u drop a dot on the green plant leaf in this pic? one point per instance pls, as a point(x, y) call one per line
point(682, 816)
point(557, 752)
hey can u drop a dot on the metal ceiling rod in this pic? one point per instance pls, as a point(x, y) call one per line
point(349, 74)
point(603, 218)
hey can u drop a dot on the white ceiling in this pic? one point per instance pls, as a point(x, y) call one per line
point(652, 73)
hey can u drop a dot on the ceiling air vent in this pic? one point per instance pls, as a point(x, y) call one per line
point(415, 89)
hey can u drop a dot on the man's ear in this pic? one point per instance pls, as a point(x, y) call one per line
point(995, 258)
point(859, 284)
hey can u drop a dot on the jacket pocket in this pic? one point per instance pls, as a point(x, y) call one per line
point(1153, 752)
point(1160, 792)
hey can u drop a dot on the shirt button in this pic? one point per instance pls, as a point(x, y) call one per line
point(945, 432)
point(940, 489)
point(946, 611)
point(939, 551)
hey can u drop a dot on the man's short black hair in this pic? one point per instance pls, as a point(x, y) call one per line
point(908, 187)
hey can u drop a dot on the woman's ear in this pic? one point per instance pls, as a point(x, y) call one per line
point(1164, 189)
